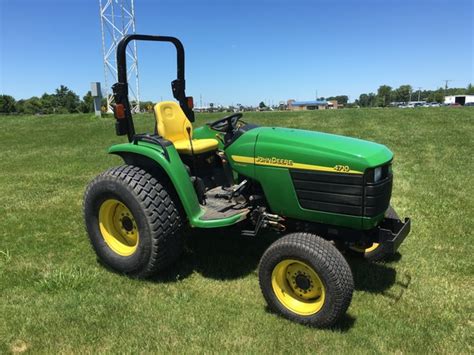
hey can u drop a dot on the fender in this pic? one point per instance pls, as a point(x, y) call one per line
point(174, 168)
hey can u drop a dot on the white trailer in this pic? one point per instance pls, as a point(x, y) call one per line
point(458, 99)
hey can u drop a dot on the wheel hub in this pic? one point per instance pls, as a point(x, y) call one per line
point(127, 224)
point(303, 282)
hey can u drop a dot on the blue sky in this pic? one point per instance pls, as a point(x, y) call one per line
point(245, 51)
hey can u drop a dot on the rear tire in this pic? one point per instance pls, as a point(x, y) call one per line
point(306, 279)
point(133, 224)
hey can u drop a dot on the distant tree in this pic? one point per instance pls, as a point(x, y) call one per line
point(363, 100)
point(372, 99)
point(30, 106)
point(7, 104)
point(146, 105)
point(384, 95)
point(436, 96)
point(350, 105)
point(262, 104)
point(49, 104)
point(20, 106)
point(367, 100)
point(402, 94)
point(87, 103)
point(68, 100)
point(341, 99)
point(456, 91)
point(470, 89)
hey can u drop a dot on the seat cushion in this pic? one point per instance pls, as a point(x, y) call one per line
point(199, 145)
point(171, 121)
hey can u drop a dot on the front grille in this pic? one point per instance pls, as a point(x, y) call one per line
point(348, 194)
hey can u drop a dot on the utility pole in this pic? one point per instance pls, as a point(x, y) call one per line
point(419, 92)
point(446, 81)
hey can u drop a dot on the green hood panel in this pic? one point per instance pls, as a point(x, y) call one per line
point(321, 149)
point(267, 155)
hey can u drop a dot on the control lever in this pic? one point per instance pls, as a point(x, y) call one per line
point(236, 190)
point(234, 193)
point(188, 129)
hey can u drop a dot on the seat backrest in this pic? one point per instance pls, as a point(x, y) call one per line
point(171, 121)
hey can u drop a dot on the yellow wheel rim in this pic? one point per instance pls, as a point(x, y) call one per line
point(118, 227)
point(298, 287)
point(365, 250)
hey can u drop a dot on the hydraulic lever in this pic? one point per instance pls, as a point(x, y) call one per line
point(188, 129)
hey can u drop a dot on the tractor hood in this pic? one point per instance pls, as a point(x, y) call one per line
point(328, 152)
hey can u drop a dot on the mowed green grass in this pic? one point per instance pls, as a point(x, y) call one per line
point(56, 297)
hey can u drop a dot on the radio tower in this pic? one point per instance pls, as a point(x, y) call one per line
point(117, 19)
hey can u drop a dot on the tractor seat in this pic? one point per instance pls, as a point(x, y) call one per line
point(172, 123)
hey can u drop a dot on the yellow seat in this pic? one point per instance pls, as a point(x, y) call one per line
point(172, 124)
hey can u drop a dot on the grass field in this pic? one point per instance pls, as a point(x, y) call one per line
point(55, 297)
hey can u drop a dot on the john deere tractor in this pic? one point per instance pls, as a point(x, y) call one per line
point(315, 190)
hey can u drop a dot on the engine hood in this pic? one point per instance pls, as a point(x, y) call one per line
point(298, 148)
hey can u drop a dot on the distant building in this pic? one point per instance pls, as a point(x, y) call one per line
point(307, 105)
point(332, 104)
point(458, 99)
point(202, 109)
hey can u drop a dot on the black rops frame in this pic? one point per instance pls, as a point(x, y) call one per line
point(120, 89)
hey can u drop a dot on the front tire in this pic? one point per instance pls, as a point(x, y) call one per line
point(306, 279)
point(133, 223)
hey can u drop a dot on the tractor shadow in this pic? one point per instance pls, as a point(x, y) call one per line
point(224, 254)
point(380, 278)
point(371, 277)
point(220, 254)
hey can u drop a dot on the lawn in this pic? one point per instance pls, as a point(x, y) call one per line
point(56, 297)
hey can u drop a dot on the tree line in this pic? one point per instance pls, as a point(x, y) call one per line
point(63, 100)
point(386, 95)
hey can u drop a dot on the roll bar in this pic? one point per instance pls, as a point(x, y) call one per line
point(122, 109)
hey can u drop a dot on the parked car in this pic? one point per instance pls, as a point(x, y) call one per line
point(434, 104)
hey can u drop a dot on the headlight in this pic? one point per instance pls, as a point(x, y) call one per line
point(377, 174)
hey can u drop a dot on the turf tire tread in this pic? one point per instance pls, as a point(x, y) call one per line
point(161, 213)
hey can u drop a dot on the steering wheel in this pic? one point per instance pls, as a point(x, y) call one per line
point(226, 124)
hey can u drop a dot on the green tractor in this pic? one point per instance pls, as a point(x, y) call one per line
point(315, 190)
